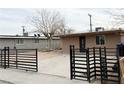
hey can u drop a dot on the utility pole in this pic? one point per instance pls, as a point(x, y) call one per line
point(90, 22)
point(23, 29)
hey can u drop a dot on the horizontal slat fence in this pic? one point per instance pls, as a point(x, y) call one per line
point(78, 64)
point(24, 59)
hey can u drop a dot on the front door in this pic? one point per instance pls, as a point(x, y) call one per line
point(82, 43)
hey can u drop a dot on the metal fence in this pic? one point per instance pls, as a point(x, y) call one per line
point(24, 59)
point(78, 64)
point(95, 64)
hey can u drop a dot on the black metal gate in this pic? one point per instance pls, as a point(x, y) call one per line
point(4, 56)
point(24, 59)
point(78, 64)
point(95, 63)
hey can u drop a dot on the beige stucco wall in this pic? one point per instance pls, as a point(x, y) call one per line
point(111, 41)
point(65, 42)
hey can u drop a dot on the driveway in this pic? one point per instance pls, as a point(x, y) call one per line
point(54, 63)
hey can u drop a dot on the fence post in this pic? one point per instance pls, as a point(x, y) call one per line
point(94, 56)
point(36, 61)
point(100, 54)
point(71, 73)
point(117, 54)
point(8, 55)
point(16, 58)
point(88, 66)
point(1, 57)
point(73, 60)
point(4, 57)
point(106, 76)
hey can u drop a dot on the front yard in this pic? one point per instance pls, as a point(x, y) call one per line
point(54, 68)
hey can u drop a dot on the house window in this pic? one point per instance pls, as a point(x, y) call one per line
point(100, 40)
point(19, 41)
point(36, 40)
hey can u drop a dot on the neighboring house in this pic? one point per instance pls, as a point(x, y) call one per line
point(108, 39)
point(27, 42)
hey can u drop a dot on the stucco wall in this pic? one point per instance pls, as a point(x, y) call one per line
point(65, 42)
point(29, 44)
point(6, 42)
point(111, 41)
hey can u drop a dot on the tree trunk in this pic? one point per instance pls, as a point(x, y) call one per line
point(49, 44)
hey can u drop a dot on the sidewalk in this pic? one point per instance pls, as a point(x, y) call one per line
point(8, 76)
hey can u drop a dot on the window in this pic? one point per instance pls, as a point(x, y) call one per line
point(100, 40)
point(19, 41)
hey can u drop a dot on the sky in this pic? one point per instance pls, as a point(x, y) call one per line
point(12, 19)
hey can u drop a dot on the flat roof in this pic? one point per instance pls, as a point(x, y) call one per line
point(93, 33)
point(23, 37)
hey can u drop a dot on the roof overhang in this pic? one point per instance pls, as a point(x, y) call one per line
point(94, 33)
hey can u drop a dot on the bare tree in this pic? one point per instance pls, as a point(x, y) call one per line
point(48, 23)
point(69, 30)
point(66, 30)
point(117, 15)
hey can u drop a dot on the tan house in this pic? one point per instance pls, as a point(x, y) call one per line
point(108, 39)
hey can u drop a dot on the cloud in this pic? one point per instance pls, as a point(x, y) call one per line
point(11, 19)
point(79, 19)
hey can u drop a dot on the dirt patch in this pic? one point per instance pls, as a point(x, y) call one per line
point(45, 55)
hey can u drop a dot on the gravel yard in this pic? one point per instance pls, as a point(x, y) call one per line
point(54, 63)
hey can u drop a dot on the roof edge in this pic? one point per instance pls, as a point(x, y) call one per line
point(91, 33)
